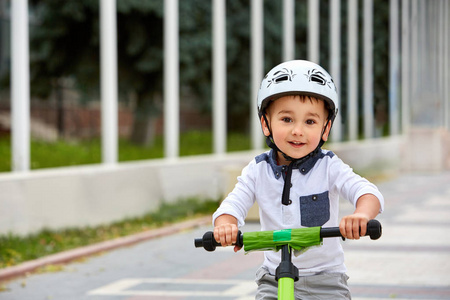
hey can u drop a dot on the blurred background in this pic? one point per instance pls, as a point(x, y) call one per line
point(180, 80)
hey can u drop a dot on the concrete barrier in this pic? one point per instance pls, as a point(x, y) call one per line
point(98, 194)
point(427, 149)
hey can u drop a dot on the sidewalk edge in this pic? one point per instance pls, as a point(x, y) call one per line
point(73, 254)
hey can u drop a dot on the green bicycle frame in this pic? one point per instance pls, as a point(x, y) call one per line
point(286, 289)
point(286, 274)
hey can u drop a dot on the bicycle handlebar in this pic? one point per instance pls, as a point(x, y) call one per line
point(208, 242)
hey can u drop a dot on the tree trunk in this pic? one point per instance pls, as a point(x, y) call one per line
point(59, 108)
point(144, 124)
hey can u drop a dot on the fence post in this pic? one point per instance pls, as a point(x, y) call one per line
point(446, 64)
point(368, 70)
point(288, 30)
point(108, 57)
point(257, 65)
point(393, 67)
point(219, 78)
point(313, 31)
point(442, 60)
point(335, 68)
point(20, 87)
point(405, 63)
point(171, 80)
point(352, 70)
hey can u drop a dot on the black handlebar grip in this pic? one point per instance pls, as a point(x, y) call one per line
point(209, 243)
point(374, 229)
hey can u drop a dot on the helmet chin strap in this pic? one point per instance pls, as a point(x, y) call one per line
point(287, 180)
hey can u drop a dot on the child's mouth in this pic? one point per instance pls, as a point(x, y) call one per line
point(297, 144)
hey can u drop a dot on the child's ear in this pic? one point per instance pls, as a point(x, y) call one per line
point(326, 133)
point(264, 127)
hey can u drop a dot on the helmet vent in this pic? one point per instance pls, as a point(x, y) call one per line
point(281, 78)
point(318, 79)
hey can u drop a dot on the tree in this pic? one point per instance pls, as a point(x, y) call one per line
point(65, 44)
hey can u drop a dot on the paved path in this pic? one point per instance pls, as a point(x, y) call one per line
point(410, 261)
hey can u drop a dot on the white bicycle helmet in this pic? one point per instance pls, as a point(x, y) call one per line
point(298, 77)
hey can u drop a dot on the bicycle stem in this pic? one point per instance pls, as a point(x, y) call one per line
point(286, 274)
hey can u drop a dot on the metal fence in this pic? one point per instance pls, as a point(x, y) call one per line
point(418, 69)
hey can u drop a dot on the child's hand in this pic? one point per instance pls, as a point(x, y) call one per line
point(226, 235)
point(226, 230)
point(354, 226)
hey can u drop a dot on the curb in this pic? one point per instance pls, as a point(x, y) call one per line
point(70, 255)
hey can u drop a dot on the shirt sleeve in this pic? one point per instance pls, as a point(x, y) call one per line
point(241, 199)
point(350, 185)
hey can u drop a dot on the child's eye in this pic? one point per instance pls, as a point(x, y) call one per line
point(286, 120)
point(310, 122)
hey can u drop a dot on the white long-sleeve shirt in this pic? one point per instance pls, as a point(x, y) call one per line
point(317, 184)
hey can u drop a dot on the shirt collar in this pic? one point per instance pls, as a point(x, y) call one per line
point(304, 166)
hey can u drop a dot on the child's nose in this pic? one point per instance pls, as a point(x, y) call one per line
point(297, 129)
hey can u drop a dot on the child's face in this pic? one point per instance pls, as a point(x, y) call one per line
point(297, 124)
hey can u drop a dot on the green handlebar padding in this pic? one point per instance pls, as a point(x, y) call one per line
point(282, 235)
point(298, 239)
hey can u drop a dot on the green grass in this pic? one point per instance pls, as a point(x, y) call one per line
point(5, 154)
point(62, 153)
point(15, 249)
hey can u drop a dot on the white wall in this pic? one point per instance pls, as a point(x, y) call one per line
point(96, 194)
point(92, 195)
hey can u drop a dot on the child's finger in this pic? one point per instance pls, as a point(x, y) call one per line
point(355, 225)
point(363, 228)
point(220, 235)
point(234, 233)
point(342, 228)
point(349, 229)
point(217, 234)
point(228, 236)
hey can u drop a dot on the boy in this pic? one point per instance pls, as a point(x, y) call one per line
point(297, 184)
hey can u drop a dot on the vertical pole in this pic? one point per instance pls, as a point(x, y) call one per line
point(257, 65)
point(219, 78)
point(414, 59)
point(313, 31)
point(352, 72)
point(441, 59)
point(393, 67)
point(335, 69)
point(288, 30)
point(405, 65)
point(436, 59)
point(108, 58)
point(171, 80)
point(446, 64)
point(368, 70)
point(422, 79)
point(20, 86)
